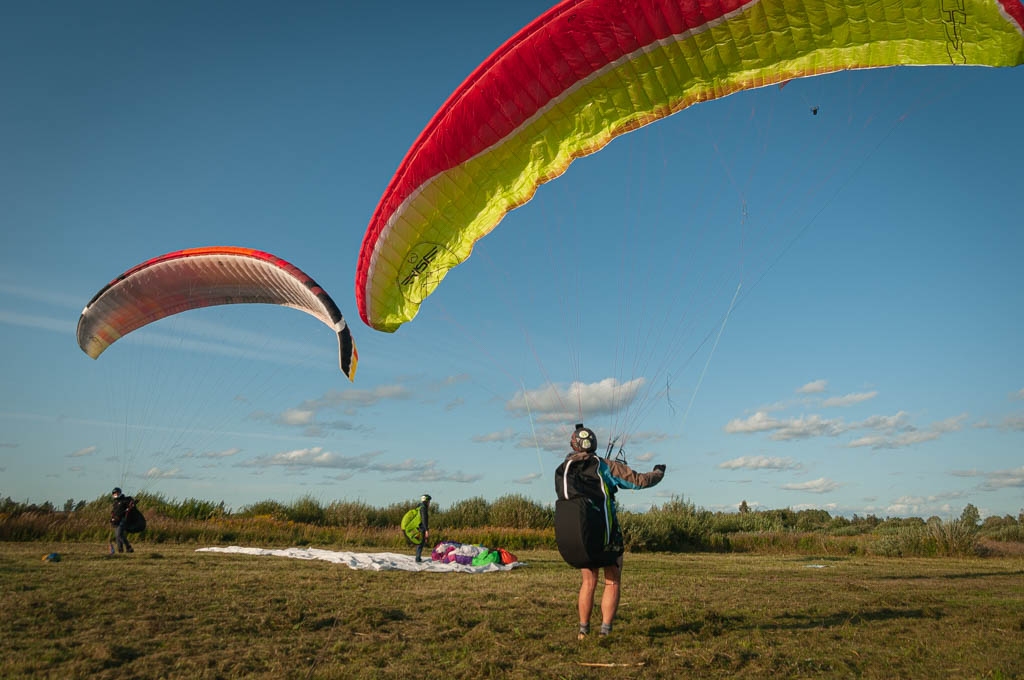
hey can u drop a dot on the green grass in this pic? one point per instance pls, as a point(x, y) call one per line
point(169, 611)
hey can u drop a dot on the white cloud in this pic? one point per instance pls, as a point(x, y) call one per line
point(310, 457)
point(807, 427)
point(316, 457)
point(1001, 479)
point(802, 427)
point(1019, 394)
point(884, 432)
point(923, 506)
point(760, 463)
point(528, 479)
point(357, 398)
point(909, 436)
point(759, 422)
point(297, 416)
point(831, 507)
point(1014, 423)
point(226, 453)
point(553, 439)
point(506, 435)
point(899, 441)
point(884, 423)
point(157, 473)
point(954, 424)
point(308, 414)
point(86, 451)
point(559, 403)
point(1004, 479)
point(849, 399)
point(433, 475)
point(814, 387)
point(820, 485)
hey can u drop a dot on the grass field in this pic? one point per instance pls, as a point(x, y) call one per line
point(169, 611)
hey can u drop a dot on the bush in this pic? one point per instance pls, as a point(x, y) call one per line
point(267, 508)
point(935, 538)
point(676, 525)
point(472, 512)
point(518, 512)
point(345, 514)
point(305, 510)
point(514, 522)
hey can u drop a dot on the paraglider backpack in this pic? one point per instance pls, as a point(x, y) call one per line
point(411, 526)
point(134, 522)
point(583, 515)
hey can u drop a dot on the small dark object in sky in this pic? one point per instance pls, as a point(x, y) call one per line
point(814, 110)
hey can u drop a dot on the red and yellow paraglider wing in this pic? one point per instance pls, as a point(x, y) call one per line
point(204, 277)
point(587, 71)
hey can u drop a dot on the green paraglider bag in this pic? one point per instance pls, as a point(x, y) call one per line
point(411, 526)
point(487, 557)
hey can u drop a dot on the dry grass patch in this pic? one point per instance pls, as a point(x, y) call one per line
point(168, 611)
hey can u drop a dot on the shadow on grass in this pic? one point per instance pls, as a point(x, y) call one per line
point(846, 618)
point(715, 624)
point(965, 575)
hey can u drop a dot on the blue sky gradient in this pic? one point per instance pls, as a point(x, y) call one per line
point(791, 308)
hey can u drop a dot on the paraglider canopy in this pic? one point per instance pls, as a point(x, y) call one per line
point(587, 71)
point(204, 277)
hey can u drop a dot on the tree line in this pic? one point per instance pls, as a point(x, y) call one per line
point(520, 523)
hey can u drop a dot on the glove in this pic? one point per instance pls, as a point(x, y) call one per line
point(660, 467)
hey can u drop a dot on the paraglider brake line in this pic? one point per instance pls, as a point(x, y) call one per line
point(668, 396)
point(536, 443)
point(620, 456)
point(707, 363)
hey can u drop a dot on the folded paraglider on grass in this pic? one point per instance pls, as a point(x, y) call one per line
point(386, 561)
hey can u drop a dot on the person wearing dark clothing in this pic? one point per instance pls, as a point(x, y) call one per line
point(587, 527)
point(424, 525)
point(118, 518)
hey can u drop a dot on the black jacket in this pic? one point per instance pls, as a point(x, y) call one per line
point(120, 509)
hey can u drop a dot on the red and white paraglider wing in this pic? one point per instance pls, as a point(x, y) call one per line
point(205, 277)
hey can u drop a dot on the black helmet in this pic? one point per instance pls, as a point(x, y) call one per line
point(116, 491)
point(583, 439)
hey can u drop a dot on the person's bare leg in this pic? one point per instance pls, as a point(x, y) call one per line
point(610, 596)
point(586, 599)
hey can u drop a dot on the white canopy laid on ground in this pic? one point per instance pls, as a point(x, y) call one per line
point(371, 561)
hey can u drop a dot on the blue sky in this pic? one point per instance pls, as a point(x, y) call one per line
point(788, 308)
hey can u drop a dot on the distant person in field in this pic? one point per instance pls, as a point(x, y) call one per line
point(118, 519)
point(586, 525)
point(424, 525)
